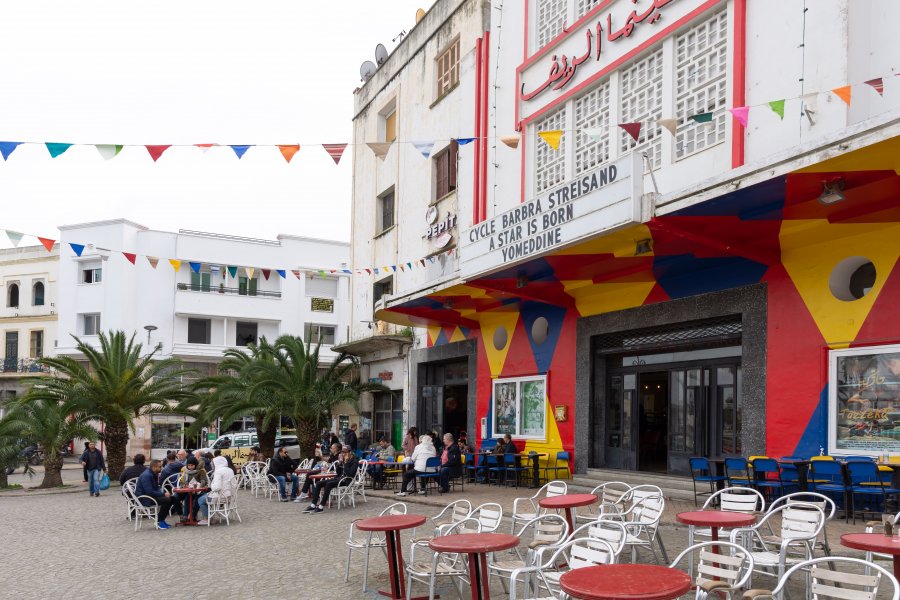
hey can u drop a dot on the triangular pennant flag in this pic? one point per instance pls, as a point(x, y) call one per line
point(204, 147)
point(702, 117)
point(394, 268)
point(266, 273)
point(369, 271)
point(281, 272)
point(48, 243)
point(249, 271)
point(77, 248)
point(195, 266)
point(335, 151)
point(409, 265)
point(176, 264)
point(15, 237)
point(511, 140)
point(322, 273)
point(633, 129)
point(876, 84)
point(670, 125)
point(740, 114)
point(348, 271)
point(422, 260)
point(56, 149)
point(232, 270)
point(6, 148)
point(289, 150)
point(777, 107)
point(153, 261)
point(464, 141)
point(108, 151)
point(843, 93)
point(239, 150)
point(296, 273)
point(157, 151)
point(551, 137)
point(595, 133)
point(424, 147)
point(131, 257)
point(402, 268)
point(380, 149)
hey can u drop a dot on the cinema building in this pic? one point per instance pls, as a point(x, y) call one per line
point(693, 248)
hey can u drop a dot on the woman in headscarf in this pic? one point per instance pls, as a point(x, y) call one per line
point(220, 487)
point(410, 441)
point(193, 474)
point(420, 456)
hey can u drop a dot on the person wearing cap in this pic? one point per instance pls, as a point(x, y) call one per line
point(345, 471)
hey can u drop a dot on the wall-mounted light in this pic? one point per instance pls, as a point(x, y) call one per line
point(643, 246)
point(832, 191)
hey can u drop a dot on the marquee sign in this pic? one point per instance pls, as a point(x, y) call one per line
point(606, 198)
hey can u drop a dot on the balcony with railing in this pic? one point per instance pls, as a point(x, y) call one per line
point(221, 289)
point(22, 366)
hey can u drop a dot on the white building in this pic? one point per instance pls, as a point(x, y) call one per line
point(424, 91)
point(28, 314)
point(227, 292)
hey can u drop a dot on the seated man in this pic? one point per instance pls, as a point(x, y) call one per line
point(384, 452)
point(174, 466)
point(347, 466)
point(134, 470)
point(451, 462)
point(148, 485)
point(321, 466)
point(282, 468)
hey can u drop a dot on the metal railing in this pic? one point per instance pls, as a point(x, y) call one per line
point(209, 289)
point(23, 365)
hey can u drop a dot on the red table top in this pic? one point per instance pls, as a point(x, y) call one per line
point(474, 543)
point(390, 522)
point(190, 490)
point(321, 476)
point(876, 542)
point(302, 471)
point(568, 501)
point(624, 582)
point(715, 518)
point(378, 462)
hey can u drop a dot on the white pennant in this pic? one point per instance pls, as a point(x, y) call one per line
point(424, 147)
point(595, 133)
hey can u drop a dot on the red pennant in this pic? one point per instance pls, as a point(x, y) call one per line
point(296, 273)
point(335, 151)
point(633, 129)
point(48, 243)
point(877, 85)
point(266, 273)
point(369, 271)
point(157, 151)
point(131, 257)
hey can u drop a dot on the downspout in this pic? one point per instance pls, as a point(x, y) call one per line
point(485, 75)
point(476, 204)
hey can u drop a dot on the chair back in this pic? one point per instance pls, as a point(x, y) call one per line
point(613, 532)
point(830, 470)
point(397, 508)
point(737, 467)
point(699, 466)
point(562, 456)
point(859, 458)
point(801, 499)
point(129, 486)
point(640, 492)
point(171, 482)
point(647, 512)
point(360, 478)
point(469, 458)
point(554, 488)
point(766, 466)
point(546, 530)
point(331, 468)
point(800, 521)
point(489, 514)
point(613, 496)
point(863, 472)
point(719, 561)
point(824, 458)
point(829, 577)
point(737, 499)
point(587, 552)
point(305, 463)
point(432, 463)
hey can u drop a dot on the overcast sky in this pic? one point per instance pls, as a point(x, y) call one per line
point(249, 72)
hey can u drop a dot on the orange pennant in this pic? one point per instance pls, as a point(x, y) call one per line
point(288, 151)
point(843, 93)
point(48, 243)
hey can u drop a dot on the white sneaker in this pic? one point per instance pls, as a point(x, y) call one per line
point(421, 492)
point(299, 499)
point(302, 497)
point(402, 494)
point(203, 522)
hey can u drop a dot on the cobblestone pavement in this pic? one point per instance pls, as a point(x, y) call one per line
point(277, 552)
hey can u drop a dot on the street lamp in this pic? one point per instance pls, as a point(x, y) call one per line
point(150, 329)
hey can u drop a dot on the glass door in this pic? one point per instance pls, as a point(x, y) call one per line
point(620, 401)
point(688, 416)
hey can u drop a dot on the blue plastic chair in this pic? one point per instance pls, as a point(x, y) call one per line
point(556, 467)
point(431, 476)
point(471, 466)
point(866, 481)
point(769, 480)
point(702, 472)
point(737, 472)
point(827, 477)
point(494, 467)
point(512, 465)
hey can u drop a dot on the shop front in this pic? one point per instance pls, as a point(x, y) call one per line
point(445, 401)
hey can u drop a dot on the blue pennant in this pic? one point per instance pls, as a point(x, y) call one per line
point(6, 148)
point(239, 150)
point(77, 248)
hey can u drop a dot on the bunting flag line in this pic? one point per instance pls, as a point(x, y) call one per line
point(288, 151)
point(176, 264)
point(844, 93)
point(777, 107)
point(552, 138)
point(153, 261)
point(77, 248)
point(56, 149)
point(511, 140)
point(232, 270)
point(876, 84)
point(131, 257)
point(239, 150)
point(266, 273)
point(380, 148)
point(249, 271)
point(670, 125)
point(464, 141)
point(14, 237)
point(296, 273)
point(740, 114)
point(281, 272)
point(157, 151)
point(595, 133)
point(633, 129)
point(335, 151)
point(7, 148)
point(204, 147)
point(48, 243)
point(195, 266)
point(108, 151)
point(702, 117)
point(424, 147)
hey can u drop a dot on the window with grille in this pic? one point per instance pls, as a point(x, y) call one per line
point(448, 69)
point(591, 111)
point(700, 68)
point(445, 171)
point(550, 164)
point(641, 93)
point(582, 7)
point(386, 210)
point(551, 20)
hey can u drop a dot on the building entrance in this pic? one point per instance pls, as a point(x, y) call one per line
point(444, 398)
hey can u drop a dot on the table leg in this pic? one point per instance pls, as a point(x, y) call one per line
point(897, 565)
point(569, 519)
point(191, 519)
point(535, 478)
point(395, 562)
point(478, 577)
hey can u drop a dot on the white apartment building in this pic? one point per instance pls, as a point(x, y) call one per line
point(226, 293)
point(590, 277)
point(28, 313)
point(424, 92)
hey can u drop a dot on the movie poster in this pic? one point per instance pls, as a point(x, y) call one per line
point(520, 407)
point(505, 401)
point(533, 401)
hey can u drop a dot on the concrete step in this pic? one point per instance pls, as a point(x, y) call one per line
point(674, 487)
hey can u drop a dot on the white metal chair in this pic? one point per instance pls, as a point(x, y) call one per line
point(349, 492)
point(798, 499)
point(734, 499)
point(528, 509)
point(142, 511)
point(613, 532)
point(127, 492)
point(642, 521)
point(452, 513)
point(724, 574)
point(614, 497)
point(442, 564)
point(170, 483)
point(541, 533)
point(370, 540)
point(223, 505)
point(833, 582)
point(583, 552)
point(801, 525)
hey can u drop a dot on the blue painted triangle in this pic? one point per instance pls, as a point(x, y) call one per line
point(555, 315)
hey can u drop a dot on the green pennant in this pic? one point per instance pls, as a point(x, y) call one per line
point(702, 117)
point(232, 271)
point(777, 107)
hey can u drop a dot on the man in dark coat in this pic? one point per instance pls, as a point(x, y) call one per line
point(92, 460)
point(134, 470)
point(451, 462)
point(350, 438)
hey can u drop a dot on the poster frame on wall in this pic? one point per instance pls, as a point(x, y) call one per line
point(513, 389)
point(873, 389)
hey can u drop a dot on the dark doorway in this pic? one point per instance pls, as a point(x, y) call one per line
point(444, 398)
point(653, 419)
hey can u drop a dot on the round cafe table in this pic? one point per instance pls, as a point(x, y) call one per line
point(875, 542)
point(477, 546)
point(714, 519)
point(391, 525)
point(625, 582)
point(190, 492)
point(567, 502)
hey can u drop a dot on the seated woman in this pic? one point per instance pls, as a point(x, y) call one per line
point(193, 474)
point(219, 487)
point(419, 458)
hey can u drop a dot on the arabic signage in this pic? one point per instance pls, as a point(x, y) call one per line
point(602, 42)
point(606, 198)
point(322, 305)
point(864, 400)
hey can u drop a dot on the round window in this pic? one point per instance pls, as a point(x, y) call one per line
point(539, 330)
point(852, 278)
point(500, 338)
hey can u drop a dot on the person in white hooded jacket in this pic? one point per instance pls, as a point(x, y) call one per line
point(422, 452)
point(220, 486)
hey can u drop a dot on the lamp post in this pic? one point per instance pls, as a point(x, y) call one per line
point(150, 329)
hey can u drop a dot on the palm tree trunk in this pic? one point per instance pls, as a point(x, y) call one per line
point(53, 463)
point(116, 436)
point(266, 436)
point(4, 478)
point(307, 435)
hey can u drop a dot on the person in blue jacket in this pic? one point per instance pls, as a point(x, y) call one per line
point(148, 485)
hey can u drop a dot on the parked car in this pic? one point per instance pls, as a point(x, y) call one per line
point(237, 445)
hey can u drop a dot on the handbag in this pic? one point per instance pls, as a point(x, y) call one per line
point(104, 482)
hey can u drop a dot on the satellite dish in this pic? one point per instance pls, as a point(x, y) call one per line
point(366, 70)
point(420, 14)
point(381, 54)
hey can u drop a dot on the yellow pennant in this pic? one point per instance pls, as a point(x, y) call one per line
point(176, 264)
point(249, 272)
point(551, 137)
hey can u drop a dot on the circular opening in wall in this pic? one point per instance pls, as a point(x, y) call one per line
point(539, 330)
point(500, 338)
point(852, 278)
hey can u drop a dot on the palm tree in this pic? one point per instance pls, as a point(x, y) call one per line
point(116, 385)
point(49, 422)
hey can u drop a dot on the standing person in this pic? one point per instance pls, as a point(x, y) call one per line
point(420, 456)
point(282, 468)
point(148, 485)
point(92, 459)
point(348, 465)
point(410, 441)
point(219, 487)
point(134, 470)
point(334, 440)
point(451, 463)
point(350, 438)
point(84, 468)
